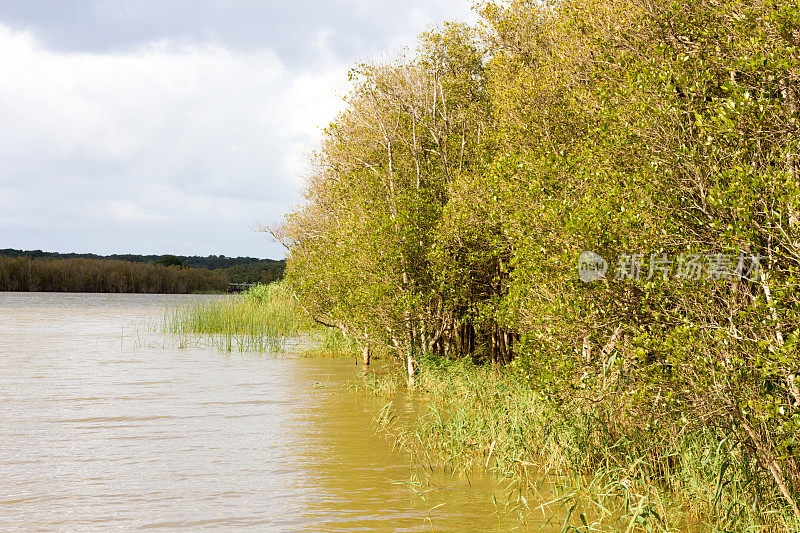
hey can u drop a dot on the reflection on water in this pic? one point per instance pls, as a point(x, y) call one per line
point(102, 424)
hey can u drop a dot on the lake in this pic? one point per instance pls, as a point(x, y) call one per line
point(106, 423)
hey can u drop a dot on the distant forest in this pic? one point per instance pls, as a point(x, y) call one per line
point(237, 269)
point(105, 275)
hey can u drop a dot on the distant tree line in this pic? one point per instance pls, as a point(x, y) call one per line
point(210, 262)
point(238, 269)
point(256, 272)
point(105, 275)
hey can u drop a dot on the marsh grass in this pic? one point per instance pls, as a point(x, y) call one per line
point(263, 319)
point(329, 342)
point(585, 474)
point(266, 318)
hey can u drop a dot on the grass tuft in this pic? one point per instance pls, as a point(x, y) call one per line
point(263, 319)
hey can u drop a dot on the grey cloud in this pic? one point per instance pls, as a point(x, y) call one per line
point(354, 27)
point(173, 127)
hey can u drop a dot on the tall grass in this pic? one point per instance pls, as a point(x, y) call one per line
point(330, 342)
point(603, 480)
point(263, 319)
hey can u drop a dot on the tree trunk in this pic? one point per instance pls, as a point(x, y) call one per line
point(471, 333)
point(365, 355)
point(493, 344)
point(411, 362)
point(765, 453)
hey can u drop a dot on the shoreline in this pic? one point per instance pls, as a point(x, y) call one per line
point(485, 417)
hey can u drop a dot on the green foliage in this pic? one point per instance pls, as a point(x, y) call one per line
point(261, 271)
point(169, 260)
point(453, 196)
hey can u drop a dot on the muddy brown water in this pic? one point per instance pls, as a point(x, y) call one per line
point(106, 424)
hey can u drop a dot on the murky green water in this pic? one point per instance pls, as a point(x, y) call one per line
point(104, 425)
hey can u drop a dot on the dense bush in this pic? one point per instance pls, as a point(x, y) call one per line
point(452, 199)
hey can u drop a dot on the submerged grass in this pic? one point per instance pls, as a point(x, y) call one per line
point(263, 319)
point(601, 479)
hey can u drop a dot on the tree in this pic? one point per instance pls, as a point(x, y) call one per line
point(451, 199)
point(170, 260)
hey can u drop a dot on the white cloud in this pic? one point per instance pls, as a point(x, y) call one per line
point(185, 121)
point(123, 135)
point(125, 211)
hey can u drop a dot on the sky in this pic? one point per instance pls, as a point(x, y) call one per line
point(180, 126)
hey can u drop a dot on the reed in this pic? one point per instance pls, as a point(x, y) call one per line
point(263, 319)
point(330, 342)
point(602, 478)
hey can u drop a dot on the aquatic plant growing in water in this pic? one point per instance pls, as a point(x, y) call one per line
point(597, 477)
point(261, 319)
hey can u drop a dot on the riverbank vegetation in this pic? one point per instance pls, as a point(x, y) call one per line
point(473, 416)
point(104, 275)
point(451, 200)
point(261, 319)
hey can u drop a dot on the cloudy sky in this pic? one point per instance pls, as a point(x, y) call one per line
point(150, 126)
